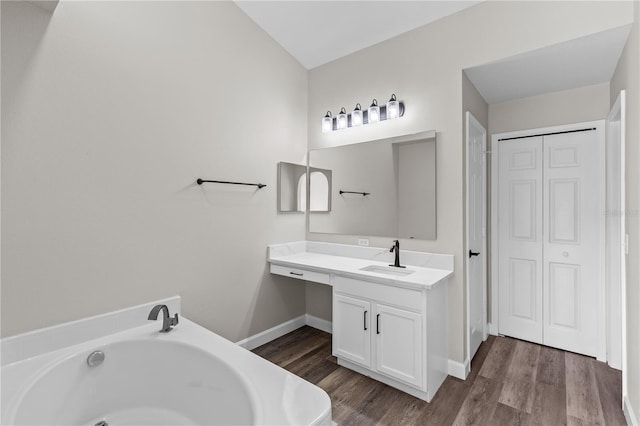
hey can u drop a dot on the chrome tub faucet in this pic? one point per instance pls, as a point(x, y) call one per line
point(167, 322)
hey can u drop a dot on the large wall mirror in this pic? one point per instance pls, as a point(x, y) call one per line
point(381, 188)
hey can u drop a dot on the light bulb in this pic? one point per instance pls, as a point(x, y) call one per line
point(342, 119)
point(393, 108)
point(356, 116)
point(327, 123)
point(373, 114)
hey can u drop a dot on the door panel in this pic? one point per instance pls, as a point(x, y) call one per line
point(523, 296)
point(520, 238)
point(564, 295)
point(571, 247)
point(352, 335)
point(399, 344)
point(564, 205)
point(523, 211)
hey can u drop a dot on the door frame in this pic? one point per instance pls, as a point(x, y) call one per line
point(601, 334)
point(472, 121)
point(616, 180)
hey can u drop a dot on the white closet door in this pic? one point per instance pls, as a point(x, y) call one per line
point(520, 238)
point(572, 212)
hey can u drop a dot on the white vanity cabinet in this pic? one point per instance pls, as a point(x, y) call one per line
point(387, 324)
point(380, 327)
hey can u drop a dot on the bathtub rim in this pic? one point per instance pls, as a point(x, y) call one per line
point(78, 351)
point(321, 409)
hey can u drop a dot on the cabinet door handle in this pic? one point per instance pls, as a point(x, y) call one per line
point(365, 320)
point(298, 274)
point(378, 324)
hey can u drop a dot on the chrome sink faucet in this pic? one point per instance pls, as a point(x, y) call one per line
point(396, 247)
point(167, 322)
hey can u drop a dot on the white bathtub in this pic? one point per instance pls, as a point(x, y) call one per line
point(188, 376)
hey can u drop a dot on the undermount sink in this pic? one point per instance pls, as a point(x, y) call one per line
point(388, 270)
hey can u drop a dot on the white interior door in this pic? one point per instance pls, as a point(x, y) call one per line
point(476, 234)
point(550, 237)
point(520, 238)
point(572, 210)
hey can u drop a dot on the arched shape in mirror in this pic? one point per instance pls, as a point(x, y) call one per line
point(320, 190)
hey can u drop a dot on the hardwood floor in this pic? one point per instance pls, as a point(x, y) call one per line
point(512, 382)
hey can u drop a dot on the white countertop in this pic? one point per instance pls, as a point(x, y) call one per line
point(300, 257)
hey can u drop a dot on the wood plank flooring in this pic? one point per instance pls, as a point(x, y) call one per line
point(512, 382)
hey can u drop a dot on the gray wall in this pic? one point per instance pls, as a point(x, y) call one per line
point(551, 109)
point(423, 67)
point(627, 77)
point(110, 111)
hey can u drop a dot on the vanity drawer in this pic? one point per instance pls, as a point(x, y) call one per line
point(388, 294)
point(301, 274)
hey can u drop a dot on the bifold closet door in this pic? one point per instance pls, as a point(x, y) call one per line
point(549, 239)
point(571, 181)
point(520, 238)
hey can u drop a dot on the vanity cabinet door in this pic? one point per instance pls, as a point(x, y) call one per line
point(352, 329)
point(399, 342)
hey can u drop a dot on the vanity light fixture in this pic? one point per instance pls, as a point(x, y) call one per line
point(374, 112)
point(327, 123)
point(358, 117)
point(393, 108)
point(342, 119)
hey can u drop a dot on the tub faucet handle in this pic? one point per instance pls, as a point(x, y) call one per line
point(167, 321)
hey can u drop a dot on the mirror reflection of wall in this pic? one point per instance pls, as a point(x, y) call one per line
point(320, 190)
point(292, 187)
point(416, 189)
point(399, 175)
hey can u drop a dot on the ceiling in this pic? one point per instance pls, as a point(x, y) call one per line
point(576, 63)
point(317, 32)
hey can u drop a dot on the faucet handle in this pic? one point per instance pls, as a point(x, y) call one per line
point(173, 321)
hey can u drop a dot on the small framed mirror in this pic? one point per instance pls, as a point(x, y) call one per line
point(292, 187)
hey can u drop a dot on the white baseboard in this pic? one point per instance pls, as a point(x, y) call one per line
point(455, 368)
point(280, 330)
point(319, 323)
point(629, 415)
point(459, 370)
point(273, 333)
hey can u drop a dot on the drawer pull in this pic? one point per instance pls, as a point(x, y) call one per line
point(378, 324)
point(365, 320)
point(297, 274)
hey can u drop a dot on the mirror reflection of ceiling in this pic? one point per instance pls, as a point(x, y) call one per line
point(584, 61)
